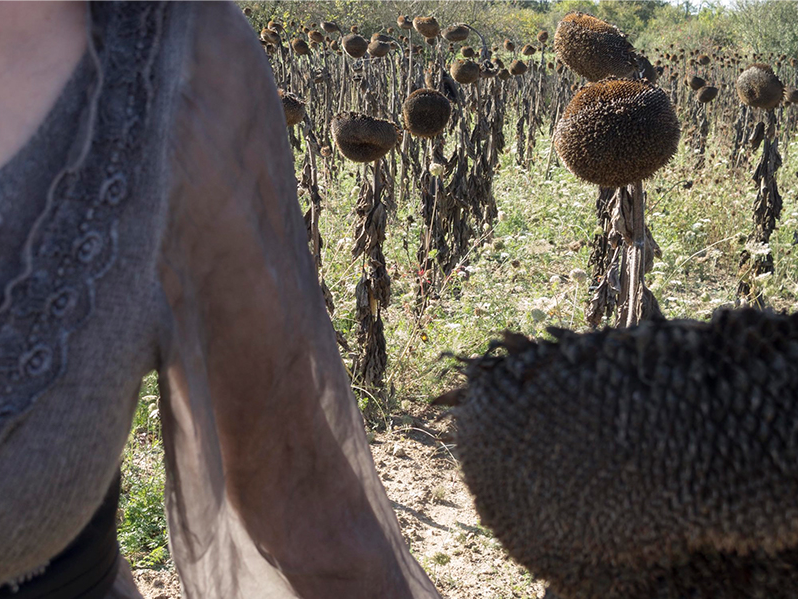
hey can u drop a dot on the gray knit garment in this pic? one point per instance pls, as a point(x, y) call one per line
point(152, 223)
point(77, 317)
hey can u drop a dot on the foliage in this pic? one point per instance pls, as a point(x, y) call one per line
point(709, 28)
point(497, 19)
point(749, 25)
point(142, 522)
point(631, 17)
point(769, 26)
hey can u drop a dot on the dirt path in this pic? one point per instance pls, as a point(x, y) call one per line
point(416, 463)
point(437, 515)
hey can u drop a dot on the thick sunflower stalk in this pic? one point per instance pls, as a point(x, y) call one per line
point(373, 291)
point(759, 87)
point(604, 278)
point(310, 182)
point(434, 249)
point(756, 260)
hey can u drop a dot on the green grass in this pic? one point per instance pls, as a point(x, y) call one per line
point(520, 281)
point(142, 522)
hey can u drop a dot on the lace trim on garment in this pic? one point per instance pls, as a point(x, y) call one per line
point(74, 242)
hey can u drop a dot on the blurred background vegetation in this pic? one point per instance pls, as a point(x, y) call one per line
point(742, 25)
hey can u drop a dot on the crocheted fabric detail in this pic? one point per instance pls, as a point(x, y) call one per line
point(74, 242)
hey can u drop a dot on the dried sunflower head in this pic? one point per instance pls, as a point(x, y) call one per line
point(759, 87)
point(427, 26)
point(465, 71)
point(362, 138)
point(426, 112)
point(456, 33)
point(293, 106)
point(617, 131)
point(355, 45)
point(593, 48)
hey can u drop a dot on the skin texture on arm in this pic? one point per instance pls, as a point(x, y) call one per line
point(251, 354)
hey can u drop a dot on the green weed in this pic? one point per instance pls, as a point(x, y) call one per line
point(142, 522)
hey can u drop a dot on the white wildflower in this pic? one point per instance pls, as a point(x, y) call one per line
point(436, 169)
point(547, 304)
point(757, 248)
point(763, 277)
point(578, 275)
